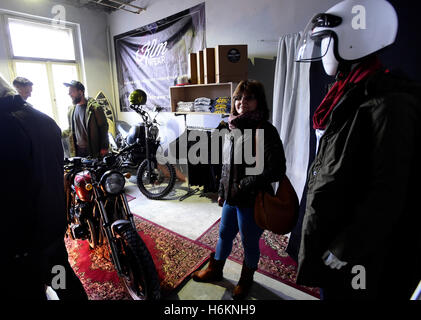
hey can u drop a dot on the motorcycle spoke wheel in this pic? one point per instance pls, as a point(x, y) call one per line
point(135, 285)
point(140, 275)
point(158, 183)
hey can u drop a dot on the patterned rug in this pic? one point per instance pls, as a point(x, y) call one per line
point(175, 258)
point(274, 261)
point(129, 197)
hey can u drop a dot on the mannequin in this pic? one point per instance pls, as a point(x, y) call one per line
point(330, 63)
point(363, 182)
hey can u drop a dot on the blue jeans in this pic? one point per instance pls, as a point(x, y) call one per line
point(236, 219)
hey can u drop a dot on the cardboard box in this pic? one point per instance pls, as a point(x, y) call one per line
point(231, 63)
point(209, 65)
point(193, 68)
point(200, 68)
point(230, 78)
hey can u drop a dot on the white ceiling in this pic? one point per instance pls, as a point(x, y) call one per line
point(107, 6)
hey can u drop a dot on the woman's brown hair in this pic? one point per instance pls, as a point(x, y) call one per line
point(252, 87)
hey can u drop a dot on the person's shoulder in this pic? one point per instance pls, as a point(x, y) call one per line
point(6, 104)
point(6, 116)
point(390, 90)
point(70, 109)
point(13, 118)
point(268, 126)
point(93, 103)
point(270, 131)
point(42, 118)
point(94, 106)
point(386, 83)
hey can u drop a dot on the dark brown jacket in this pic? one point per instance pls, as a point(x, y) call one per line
point(97, 127)
point(234, 175)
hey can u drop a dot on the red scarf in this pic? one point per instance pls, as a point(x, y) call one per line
point(361, 72)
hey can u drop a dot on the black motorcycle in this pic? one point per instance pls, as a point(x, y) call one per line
point(98, 211)
point(154, 179)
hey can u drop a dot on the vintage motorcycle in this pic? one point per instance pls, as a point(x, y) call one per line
point(98, 211)
point(154, 180)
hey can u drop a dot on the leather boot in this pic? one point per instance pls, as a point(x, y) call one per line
point(242, 288)
point(212, 273)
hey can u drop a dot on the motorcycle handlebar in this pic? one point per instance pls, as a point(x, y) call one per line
point(78, 162)
point(145, 115)
point(137, 108)
point(128, 148)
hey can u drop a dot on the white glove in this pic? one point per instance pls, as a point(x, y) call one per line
point(331, 261)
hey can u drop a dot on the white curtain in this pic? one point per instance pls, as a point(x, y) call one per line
point(291, 108)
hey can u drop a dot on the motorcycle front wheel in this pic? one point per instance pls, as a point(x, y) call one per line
point(92, 236)
point(140, 276)
point(157, 183)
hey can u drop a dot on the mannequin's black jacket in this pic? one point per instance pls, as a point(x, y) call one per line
point(31, 189)
point(364, 190)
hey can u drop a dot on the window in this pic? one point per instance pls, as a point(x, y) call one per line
point(40, 40)
point(45, 54)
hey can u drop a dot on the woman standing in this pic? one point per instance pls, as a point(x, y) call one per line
point(237, 191)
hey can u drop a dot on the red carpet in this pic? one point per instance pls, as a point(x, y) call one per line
point(274, 261)
point(175, 257)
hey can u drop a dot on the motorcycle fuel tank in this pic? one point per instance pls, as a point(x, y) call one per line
point(136, 132)
point(82, 179)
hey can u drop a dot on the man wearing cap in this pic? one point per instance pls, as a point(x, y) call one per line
point(23, 86)
point(88, 127)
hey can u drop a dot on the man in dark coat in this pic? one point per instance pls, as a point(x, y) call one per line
point(33, 205)
point(360, 236)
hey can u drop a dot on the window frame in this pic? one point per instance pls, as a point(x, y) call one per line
point(78, 62)
point(50, 76)
point(75, 31)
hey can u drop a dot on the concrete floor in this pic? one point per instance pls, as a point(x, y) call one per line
point(191, 218)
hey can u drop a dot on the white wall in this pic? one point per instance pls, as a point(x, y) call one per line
point(228, 22)
point(93, 24)
point(231, 21)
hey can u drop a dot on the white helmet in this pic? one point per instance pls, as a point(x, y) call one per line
point(356, 29)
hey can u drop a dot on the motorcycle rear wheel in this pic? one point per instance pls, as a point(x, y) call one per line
point(161, 183)
point(141, 278)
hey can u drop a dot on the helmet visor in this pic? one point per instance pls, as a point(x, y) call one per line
point(310, 46)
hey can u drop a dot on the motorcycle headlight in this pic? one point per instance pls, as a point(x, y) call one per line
point(113, 182)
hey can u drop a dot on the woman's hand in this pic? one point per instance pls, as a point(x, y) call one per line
point(221, 201)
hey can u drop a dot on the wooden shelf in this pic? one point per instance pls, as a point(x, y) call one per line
point(189, 93)
point(194, 112)
point(223, 115)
